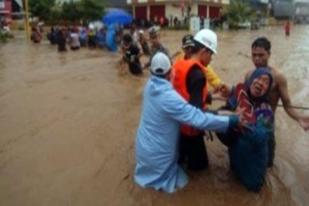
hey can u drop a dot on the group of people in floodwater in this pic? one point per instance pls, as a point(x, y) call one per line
point(75, 37)
point(175, 114)
point(176, 117)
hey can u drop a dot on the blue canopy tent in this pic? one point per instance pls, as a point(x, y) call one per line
point(117, 16)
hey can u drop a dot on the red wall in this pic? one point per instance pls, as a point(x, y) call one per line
point(157, 11)
point(202, 11)
point(214, 12)
point(141, 12)
point(7, 7)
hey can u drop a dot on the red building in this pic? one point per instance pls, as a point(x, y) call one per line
point(155, 9)
point(6, 10)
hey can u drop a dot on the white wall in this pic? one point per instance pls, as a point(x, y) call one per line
point(1, 4)
point(226, 1)
point(139, 1)
point(206, 1)
point(171, 10)
point(176, 11)
point(216, 1)
point(194, 10)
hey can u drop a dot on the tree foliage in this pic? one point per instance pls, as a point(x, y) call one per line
point(238, 11)
point(72, 11)
point(41, 8)
point(91, 9)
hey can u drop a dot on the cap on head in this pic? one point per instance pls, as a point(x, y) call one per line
point(160, 64)
point(153, 32)
point(208, 38)
point(187, 41)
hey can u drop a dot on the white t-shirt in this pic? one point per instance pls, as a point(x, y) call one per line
point(75, 40)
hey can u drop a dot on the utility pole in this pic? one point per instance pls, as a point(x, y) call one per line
point(26, 19)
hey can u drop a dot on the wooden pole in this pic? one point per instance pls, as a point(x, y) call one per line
point(27, 26)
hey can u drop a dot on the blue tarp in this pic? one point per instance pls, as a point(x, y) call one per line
point(117, 16)
point(111, 38)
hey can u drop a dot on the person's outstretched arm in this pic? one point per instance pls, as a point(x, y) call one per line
point(177, 108)
point(287, 104)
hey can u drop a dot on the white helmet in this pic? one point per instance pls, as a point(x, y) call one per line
point(160, 64)
point(208, 38)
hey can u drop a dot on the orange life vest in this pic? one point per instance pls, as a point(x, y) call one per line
point(180, 72)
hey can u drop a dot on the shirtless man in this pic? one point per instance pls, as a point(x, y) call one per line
point(260, 54)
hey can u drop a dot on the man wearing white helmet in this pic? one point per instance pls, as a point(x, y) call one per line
point(189, 80)
point(163, 111)
point(213, 80)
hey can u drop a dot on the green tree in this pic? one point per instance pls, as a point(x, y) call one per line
point(91, 10)
point(41, 8)
point(55, 13)
point(71, 11)
point(238, 11)
point(3, 37)
point(84, 10)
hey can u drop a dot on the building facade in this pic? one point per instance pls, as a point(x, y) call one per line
point(108, 4)
point(282, 8)
point(10, 9)
point(6, 10)
point(153, 10)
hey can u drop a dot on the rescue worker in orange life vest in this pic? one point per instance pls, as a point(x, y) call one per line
point(189, 80)
point(213, 80)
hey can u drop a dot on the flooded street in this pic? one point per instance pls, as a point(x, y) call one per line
point(68, 123)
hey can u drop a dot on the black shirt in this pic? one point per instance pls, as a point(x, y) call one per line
point(195, 84)
point(131, 57)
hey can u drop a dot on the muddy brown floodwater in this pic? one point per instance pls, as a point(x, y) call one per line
point(68, 123)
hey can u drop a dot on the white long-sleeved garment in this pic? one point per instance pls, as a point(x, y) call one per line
point(157, 136)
